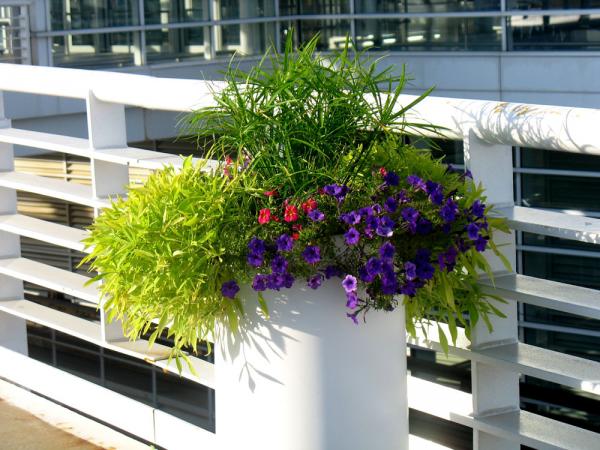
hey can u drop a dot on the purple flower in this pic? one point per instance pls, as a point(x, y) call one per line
point(259, 283)
point(373, 266)
point(316, 216)
point(387, 250)
point(352, 236)
point(468, 174)
point(478, 209)
point(351, 218)
point(337, 191)
point(449, 210)
point(365, 212)
point(385, 227)
point(285, 243)
point(463, 245)
point(312, 254)
point(332, 271)
point(447, 259)
point(424, 226)
point(473, 231)
point(256, 245)
point(481, 244)
point(389, 284)
point(391, 179)
point(229, 289)
point(353, 317)
point(391, 205)
point(315, 281)
point(410, 270)
point(288, 280)
point(436, 192)
point(377, 209)
point(275, 281)
point(364, 275)
point(349, 283)
point(255, 260)
point(409, 288)
point(279, 264)
point(410, 215)
point(417, 183)
point(351, 299)
point(425, 271)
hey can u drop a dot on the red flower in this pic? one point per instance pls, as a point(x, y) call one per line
point(275, 219)
point(295, 236)
point(228, 160)
point(270, 193)
point(309, 205)
point(291, 213)
point(264, 216)
point(297, 227)
point(382, 172)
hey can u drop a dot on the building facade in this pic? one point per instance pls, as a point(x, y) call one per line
point(532, 51)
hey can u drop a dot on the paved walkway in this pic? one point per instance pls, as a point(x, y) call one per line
point(20, 430)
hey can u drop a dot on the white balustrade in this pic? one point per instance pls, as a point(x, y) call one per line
point(488, 129)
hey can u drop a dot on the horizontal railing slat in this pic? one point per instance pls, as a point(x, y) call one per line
point(550, 223)
point(44, 231)
point(50, 277)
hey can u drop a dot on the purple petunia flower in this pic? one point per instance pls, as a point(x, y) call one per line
point(425, 271)
point(349, 283)
point(351, 218)
point(468, 174)
point(288, 280)
point(447, 259)
point(351, 299)
point(473, 231)
point(410, 215)
point(332, 271)
point(364, 275)
point(312, 254)
point(387, 250)
point(478, 209)
point(352, 236)
point(255, 260)
point(315, 281)
point(424, 226)
point(259, 283)
point(449, 211)
point(389, 284)
point(481, 244)
point(409, 288)
point(410, 270)
point(316, 216)
point(229, 289)
point(275, 281)
point(285, 243)
point(365, 212)
point(385, 227)
point(332, 189)
point(256, 245)
point(391, 179)
point(417, 183)
point(353, 316)
point(463, 245)
point(279, 264)
point(373, 266)
point(435, 191)
point(391, 205)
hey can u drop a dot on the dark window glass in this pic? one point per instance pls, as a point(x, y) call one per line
point(175, 44)
point(562, 192)
point(128, 377)
point(95, 51)
point(544, 159)
point(296, 7)
point(578, 270)
point(565, 32)
point(429, 6)
point(332, 33)
point(81, 363)
point(430, 34)
point(80, 14)
point(552, 4)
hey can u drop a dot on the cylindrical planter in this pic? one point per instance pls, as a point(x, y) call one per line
point(310, 379)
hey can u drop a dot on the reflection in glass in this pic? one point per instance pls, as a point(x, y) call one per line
point(175, 44)
point(544, 159)
point(562, 192)
point(246, 39)
point(566, 32)
point(157, 11)
point(80, 14)
point(94, 50)
point(430, 34)
point(552, 4)
point(420, 6)
point(297, 7)
point(332, 33)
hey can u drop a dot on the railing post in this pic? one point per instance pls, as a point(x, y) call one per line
point(107, 129)
point(495, 390)
point(13, 330)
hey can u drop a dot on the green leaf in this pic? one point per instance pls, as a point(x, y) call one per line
point(263, 305)
point(443, 340)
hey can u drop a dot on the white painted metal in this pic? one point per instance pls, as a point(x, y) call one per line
point(13, 332)
point(50, 277)
point(494, 388)
point(43, 231)
point(310, 379)
point(176, 434)
point(549, 223)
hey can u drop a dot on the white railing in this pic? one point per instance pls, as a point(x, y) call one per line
point(488, 129)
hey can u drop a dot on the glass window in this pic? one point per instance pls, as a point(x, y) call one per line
point(544, 159)
point(235, 9)
point(298, 7)
point(81, 14)
point(332, 33)
point(95, 50)
point(245, 39)
point(561, 192)
point(430, 34)
point(156, 11)
point(176, 44)
point(552, 4)
point(565, 32)
point(428, 6)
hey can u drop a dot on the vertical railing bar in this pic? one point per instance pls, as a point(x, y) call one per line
point(277, 26)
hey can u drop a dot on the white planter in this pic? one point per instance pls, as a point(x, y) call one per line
point(310, 379)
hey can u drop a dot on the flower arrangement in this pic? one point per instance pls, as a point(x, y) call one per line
point(317, 184)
